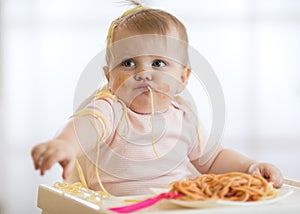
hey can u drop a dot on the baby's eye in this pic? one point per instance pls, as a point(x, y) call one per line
point(128, 63)
point(158, 63)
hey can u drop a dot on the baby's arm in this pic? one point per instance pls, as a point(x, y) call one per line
point(226, 160)
point(64, 148)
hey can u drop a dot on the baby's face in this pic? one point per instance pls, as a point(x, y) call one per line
point(131, 79)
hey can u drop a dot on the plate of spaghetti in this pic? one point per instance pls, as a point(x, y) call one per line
point(210, 190)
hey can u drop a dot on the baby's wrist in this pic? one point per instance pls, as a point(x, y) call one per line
point(251, 167)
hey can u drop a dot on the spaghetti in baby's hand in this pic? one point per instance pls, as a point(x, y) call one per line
point(233, 186)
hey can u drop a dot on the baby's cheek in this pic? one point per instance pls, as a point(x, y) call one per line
point(164, 88)
point(119, 82)
point(162, 96)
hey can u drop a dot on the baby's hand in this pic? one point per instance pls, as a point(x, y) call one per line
point(268, 171)
point(44, 155)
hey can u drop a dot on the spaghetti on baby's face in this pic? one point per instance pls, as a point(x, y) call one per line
point(138, 62)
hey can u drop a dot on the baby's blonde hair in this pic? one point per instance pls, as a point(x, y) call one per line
point(146, 20)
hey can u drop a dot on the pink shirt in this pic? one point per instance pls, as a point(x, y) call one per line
point(128, 164)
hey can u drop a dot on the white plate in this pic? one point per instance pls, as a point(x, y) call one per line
point(282, 193)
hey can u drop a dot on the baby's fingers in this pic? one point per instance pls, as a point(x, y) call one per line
point(254, 169)
point(68, 166)
point(274, 176)
point(269, 172)
point(36, 153)
point(49, 158)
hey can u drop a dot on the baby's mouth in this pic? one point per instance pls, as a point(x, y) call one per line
point(144, 87)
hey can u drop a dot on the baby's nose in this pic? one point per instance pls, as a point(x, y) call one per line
point(143, 75)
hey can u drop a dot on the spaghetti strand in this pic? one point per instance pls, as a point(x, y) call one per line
point(152, 122)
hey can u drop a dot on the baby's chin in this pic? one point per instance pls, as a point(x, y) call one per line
point(143, 103)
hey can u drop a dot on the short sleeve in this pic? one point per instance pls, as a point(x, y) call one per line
point(204, 149)
point(94, 124)
point(210, 147)
point(196, 145)
point(104, 113)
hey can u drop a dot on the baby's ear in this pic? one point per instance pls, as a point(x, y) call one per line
point(185, 75)
point(106, 72)
point(184, 78)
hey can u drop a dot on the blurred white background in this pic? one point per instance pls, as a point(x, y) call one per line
point(253, 46)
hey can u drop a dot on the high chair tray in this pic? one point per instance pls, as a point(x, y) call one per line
point(54, 201)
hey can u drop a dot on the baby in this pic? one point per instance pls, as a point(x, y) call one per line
point(135, 134)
